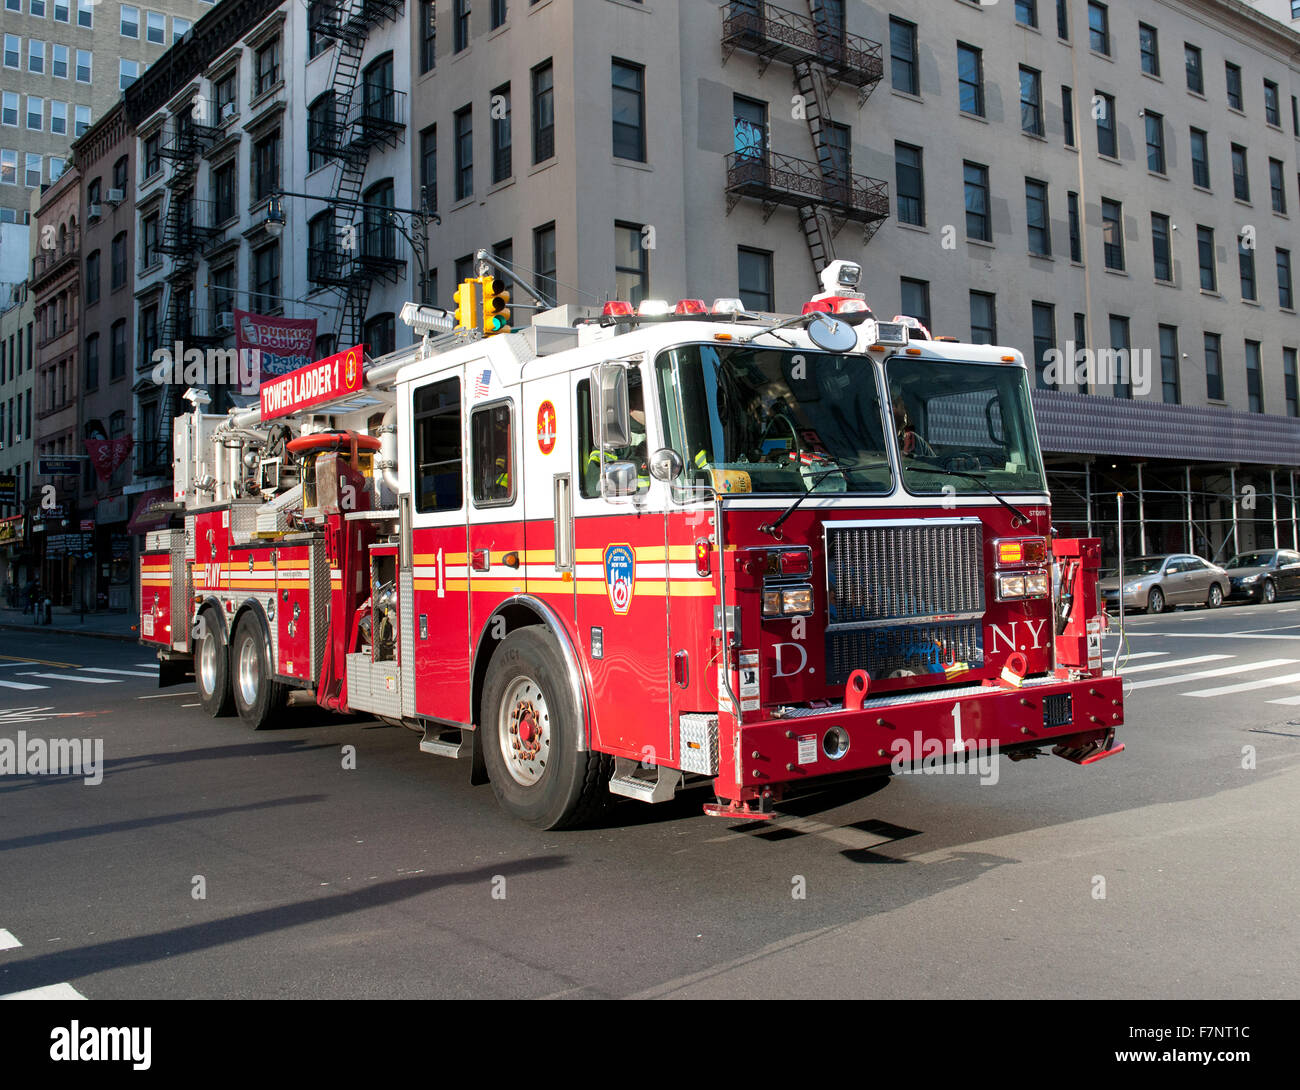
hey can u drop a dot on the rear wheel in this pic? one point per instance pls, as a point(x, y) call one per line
point(1156, 601)
point(531, 727)
point(258, 696)
point(1215, 600)
point(212, 665)
point(1268, 593)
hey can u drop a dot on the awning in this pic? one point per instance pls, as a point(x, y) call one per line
point(149, 512)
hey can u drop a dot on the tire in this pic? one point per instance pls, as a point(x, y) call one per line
point(549, 784)
point(1268, 592)
point(212, 666)
point(1215, 600)
point(1156, 601)
point(259, 698)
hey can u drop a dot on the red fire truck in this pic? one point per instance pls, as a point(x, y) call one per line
point(630, 549)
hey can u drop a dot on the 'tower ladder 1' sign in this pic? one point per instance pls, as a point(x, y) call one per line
point(341, 373)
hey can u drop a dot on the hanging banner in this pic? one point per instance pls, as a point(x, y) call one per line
point(284, 344)
point(107, 454)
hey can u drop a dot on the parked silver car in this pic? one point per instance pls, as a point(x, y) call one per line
point(1157, 583)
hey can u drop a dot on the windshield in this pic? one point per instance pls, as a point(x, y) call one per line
point(1251, 560)
point(964, 418)
point(750, 419)
point(1143, 565)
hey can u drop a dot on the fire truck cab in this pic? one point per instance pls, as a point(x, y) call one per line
point(624, 551)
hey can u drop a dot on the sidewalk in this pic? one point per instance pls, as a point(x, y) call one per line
point(105, 626)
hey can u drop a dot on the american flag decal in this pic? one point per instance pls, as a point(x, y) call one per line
point(481, 383)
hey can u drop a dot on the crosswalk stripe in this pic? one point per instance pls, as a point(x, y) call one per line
point(1144, 655)
point(1197, 675)
point(146, 666)
point(123, 673)
point(50, 991)
point(1290, 701)
point(74, 677)
point(1175, 662)
point(7, 940)
point(23, 685)
point(1246, 686)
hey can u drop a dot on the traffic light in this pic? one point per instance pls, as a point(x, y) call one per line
point(469, 308)
point(496, 305)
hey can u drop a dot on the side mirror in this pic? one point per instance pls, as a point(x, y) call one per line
point(611, 411)
point(666, 464)
point(619, 480)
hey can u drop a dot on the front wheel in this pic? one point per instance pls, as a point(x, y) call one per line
point(1215, 600)
point(531, 727)
point(258, 696)
point(1156, 601)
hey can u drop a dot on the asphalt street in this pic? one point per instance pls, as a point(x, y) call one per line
point(1169, 871)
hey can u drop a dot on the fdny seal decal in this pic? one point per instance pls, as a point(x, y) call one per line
point(620, 576)
point(546, 427)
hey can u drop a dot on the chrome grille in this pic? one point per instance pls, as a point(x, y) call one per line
point(903, 650)
point(879, 573)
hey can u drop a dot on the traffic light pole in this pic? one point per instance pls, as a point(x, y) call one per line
point(485, 258)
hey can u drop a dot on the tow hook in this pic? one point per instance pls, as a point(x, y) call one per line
point(759, 809)
point(1093, 752)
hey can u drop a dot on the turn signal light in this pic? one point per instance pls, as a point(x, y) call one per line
point(797, 562)
point(1025, 550)
point(703, 557)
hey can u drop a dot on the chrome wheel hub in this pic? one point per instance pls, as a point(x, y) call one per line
point(524, 731)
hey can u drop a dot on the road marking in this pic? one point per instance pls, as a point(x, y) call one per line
point(146, 666)
point(1145, 655)
point(160, 696)
point(190, 705)
point(74, 677)
point(20, 685)
point(1290, 701)
point(7, 940)
point(123, 673)
point(50, 991)
point(1175, 662)
point(8, 665)
point(1213, 635)
point(1239, 668)
point(1246, 686)
point(18, 660)
point(1291, 610)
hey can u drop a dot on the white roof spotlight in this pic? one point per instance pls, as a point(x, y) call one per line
point(426, 319)
point(841, 277)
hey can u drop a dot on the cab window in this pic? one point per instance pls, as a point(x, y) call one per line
point(492, 458)
point(589, 454)
point(436, 419)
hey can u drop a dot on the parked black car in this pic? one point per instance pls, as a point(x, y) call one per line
point(1264, 576)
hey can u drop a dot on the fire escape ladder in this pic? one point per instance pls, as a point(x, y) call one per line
point(817, 230)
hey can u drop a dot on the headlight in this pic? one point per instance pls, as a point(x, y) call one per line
point(1132, 588)
point(1034, 584)
point(1246, 580)
point(788, 601)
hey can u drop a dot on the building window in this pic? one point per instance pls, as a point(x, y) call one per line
point(59, 61)
point(1027, 12)
point(1105, 108)
point(266, 166)
point(1205, 257)
point(1272, 104)
point(1200, 158)
point(60, 11)
point(1098, 27)
point(749, 123)
point(380, 334)
point(1254, 384)
point(1076, 234)
point(266, 278)
point(970, 79)
point(631, 264)
point(121, 171)
point(266, 70)
point(1121, 345)
point(127, 73)
point(1277, 186)
point(914, 299)
point(1246, 268)
point(1284, 297)
point(1169, 365)
point(92, 278)
point(151, 153)
point(35, 56)
point(543, 87)
point(544, 261)
point(320, 131)
point(1044, 316)
point(221, 291)
point(628, 110)
point(498, 13)
point(129, 24)
point(8, 167)
point(1213, 367)
point(460, 25)
point(1067, 115)
point(910, 183)
point(1155, 124)
point(117, 349)
point(13, 51)
point(59, 118)
point(1233, 74)
point(1112, 234)
point(1290, 382)
point(1037, 218)
point(1195, 71)
point(903, 70)
point(1240, 175)
point(1149, 47)
point(1161, 257)
point(117, 275)
point(155, 27)
point(35, 113)
point(428, 35)
point(227, 95)
point(429, 166)
point(32, 171)
point(84, 68)
point(149, 240)
point(755, 279)
point(223, 192)
point(85, 13)
point(92, 361)
point(464, 147)
point(983, 318)
point(500, 113)
point(978, 223)
point(322, 15)
point(1063, 20)
point(1031, 102)
point(322, 249)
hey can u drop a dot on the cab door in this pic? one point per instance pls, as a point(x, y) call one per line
point(621, 573)
point(439, 546)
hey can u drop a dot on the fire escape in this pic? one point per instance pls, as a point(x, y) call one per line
point(823, 57)
point(363, 116)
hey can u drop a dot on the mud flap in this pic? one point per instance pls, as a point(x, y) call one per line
point(174, 671)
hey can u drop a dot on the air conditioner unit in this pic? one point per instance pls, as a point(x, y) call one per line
point(116, 196)
point(228, 110)
point(96, 210)
point(225, 321)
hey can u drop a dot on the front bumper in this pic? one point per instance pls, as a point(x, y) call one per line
point(903, 732)
point(1245, 591)
point(1131, 601)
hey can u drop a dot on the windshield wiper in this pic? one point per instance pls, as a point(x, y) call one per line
point(1024, 520)
point(773, 528)
point(785, 323)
